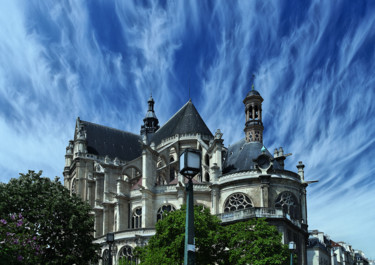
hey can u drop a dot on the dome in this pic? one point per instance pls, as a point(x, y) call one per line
point(241, 154)
point(253, 93)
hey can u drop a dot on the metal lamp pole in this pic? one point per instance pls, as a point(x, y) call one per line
point(190, 165)
point(110, 240)
point(189, 253)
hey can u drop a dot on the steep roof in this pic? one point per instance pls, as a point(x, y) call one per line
point(241, 154)
point(103, 141)
point(186, 121)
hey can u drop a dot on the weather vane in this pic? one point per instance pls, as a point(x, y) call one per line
point(252, 81)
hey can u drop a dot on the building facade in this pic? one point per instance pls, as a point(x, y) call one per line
point(130, 180)
point(321, 250)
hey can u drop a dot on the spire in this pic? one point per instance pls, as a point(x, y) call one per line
point(151, 122)
point(253, 109)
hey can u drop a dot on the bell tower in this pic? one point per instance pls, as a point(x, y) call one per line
point(151, 123)
point(253, 110)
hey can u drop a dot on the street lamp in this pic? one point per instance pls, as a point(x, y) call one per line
point(190, 165)
point(292, 248)
point(110, 239)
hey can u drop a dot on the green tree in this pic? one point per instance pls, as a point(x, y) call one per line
point(18, 244)
point(255, 242)
point(249, 242)
point(61, 222)
point(167, 246)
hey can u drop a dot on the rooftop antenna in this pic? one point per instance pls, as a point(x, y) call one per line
point(252, 81)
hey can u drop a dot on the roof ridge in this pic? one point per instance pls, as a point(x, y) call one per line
point(103, 126)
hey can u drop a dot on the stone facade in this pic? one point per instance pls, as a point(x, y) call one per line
point(130, 180)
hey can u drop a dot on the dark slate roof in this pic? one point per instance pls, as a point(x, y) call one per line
point(186, 121)
point(314, 242)
point(253, 93)
point(240, 156)
point(103, 141)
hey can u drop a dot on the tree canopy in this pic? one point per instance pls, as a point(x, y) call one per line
point(59, 225)
point(250, 242)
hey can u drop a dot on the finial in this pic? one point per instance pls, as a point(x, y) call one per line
point(252, 79)
point(263, 150)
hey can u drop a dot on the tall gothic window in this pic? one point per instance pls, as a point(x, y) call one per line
point(126, 255)
point(288, 202)
point(164, 209)
point(74, 186)
point(137, 218)
point(237, 201)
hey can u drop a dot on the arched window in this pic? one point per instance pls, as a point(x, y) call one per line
point(126, 254)
point(137, 218)
point(288, 202)
point(172, 174)
point(164, 209)
point(74, 186)
point(207, 160)
point(207, 177)
point(105, 257)
point(237, 201)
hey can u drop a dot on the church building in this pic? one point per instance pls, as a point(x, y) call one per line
point(130, 180)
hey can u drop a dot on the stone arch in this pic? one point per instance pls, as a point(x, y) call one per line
point(132, 171)
point(237, 201)
point(162, 162)
point(172, 154)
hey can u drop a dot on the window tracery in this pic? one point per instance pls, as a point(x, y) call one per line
point(137, 218)
point(237, 201)
point(288, 202)
point(164, 209)
point(126, 254)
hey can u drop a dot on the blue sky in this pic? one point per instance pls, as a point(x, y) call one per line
point(314, 63)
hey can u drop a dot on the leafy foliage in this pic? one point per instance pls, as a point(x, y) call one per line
point(249, 242)
point(61, 222)
point(167, 246)
point(18, 244)
point(255, 242)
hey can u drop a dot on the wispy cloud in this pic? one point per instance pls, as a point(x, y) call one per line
point(314, 66)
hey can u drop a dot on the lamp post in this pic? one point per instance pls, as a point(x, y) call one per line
point(190, 165)
point(292, 248)
point(110, 239)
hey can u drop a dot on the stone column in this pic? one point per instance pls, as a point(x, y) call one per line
point(265, 184)
point(122, 206)
point(105, 218)
point(215, 199)
point(148, 218)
